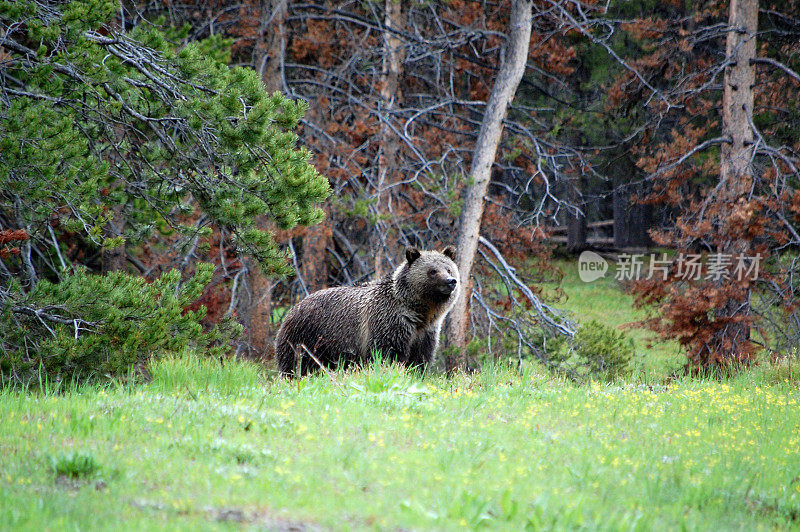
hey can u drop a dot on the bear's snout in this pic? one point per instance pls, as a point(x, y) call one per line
point(449, 285)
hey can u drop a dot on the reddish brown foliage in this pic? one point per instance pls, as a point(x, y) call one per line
point(11, 235)
point(700, 315)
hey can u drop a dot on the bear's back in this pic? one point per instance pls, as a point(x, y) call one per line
point(327, 322)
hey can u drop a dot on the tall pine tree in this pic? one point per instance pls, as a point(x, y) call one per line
point(109, 138)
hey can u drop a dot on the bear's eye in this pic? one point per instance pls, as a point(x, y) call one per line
point(432, 272)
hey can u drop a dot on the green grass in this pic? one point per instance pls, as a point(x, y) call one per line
point(205, 445)
point(74, 465)
point(209, 446)
point(604, 300)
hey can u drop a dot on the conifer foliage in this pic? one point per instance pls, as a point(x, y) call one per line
point(718, 85)
point(92, 325)
point(110, 138)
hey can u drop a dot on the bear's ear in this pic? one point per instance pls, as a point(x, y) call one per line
point(412, 254)
point(449, 252)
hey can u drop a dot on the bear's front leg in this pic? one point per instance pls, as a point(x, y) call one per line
point(422, 350)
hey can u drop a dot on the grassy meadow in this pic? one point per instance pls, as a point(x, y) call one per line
point(204, 445)
point(604, 300)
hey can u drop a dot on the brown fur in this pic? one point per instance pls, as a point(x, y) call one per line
point(399, 315)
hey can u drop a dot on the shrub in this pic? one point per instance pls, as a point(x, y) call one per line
point(605, 351)
point(90, 326)
point(74, 465)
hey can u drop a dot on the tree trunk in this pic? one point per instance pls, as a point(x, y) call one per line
point(632, 221)
point(270, 45)
point(576, 222)
point(390, 98)
point(620, 199)
point(639, 223)
point(736, 171)
point(313, 266)
point(254, 308)
point(576, 233)
point(505, 87)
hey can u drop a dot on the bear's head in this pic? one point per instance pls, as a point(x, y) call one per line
point(429, 278)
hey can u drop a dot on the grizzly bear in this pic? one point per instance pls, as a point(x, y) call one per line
point(399, 315)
